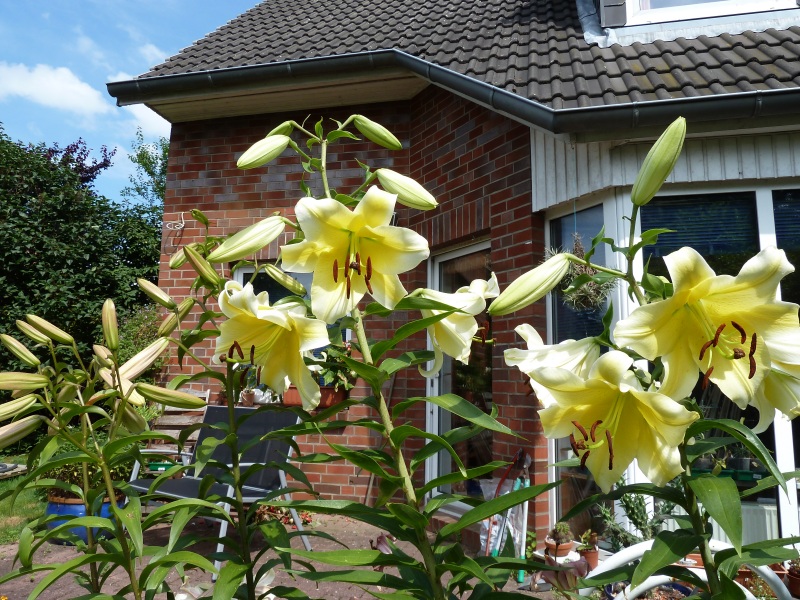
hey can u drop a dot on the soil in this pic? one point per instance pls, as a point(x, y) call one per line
point(354, 534)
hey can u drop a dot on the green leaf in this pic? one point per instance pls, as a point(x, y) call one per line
point(768, 482)
point(720, 498)
point(407, 359)
point(664, 493)
point(757, 557)
point(275, 534)
point(230, 577)
point(409, 516)
point(371, 375)
point(455, 476)
point(707, 446)
point(668, 547)
point(494, 507)
point(730, 591)
point(353, 558)
point(357, 576)
point(469, 412)
point(596, 241)
point(403, 432)
point(25, 547)
point(407, 330)
point(130, 516)
point(366, 459)
point(338, 133)
point(746, 436)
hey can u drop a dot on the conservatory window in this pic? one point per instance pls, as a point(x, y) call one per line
point(663, 11)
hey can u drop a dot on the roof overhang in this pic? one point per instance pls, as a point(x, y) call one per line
point(387, 75)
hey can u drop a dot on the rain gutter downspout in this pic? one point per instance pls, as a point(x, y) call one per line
point(623, 116)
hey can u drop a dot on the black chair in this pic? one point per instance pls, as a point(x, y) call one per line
point(257, 485)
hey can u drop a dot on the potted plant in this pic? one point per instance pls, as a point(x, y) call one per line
point(247, 397)
point(336, 378)
point(793, 577)
point(588, 548)
point(740, 458)
point(560, 540)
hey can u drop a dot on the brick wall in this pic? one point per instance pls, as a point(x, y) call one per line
point(475, 162)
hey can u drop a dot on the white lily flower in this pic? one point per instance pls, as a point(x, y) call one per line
point(271, 337)
point(453, 334)
point(577, 356)
point(353, 252)
point(610, 420)
point(729, 328)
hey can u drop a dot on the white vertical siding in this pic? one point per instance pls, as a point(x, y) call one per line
point(565, 171)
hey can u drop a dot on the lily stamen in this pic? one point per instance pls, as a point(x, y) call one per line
point(358, 263)
point(582, 429)
point(335, 270)
point(708, 374)
point(715, 341)
point(753, 344)
point(610, 451)
point(253, 354)
point(741, 331)
point(594, 430)
point(369, 267)
point(738, 353)
point(348, 288)
point(704, 348)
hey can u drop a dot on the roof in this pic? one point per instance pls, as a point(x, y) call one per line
point(531, 49)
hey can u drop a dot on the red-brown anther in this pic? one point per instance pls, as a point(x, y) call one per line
point(738, 353)
point(358, 263)
point(242, 378)
point(231, 349)
point(574, 444)
point(584, 459)
point(752, 368)
point(348, 288)
point(610, 450)
point(753, 344)
point(582, 429)
point(258, 374)
point(238, 349)
point(593, 430)
point(741, 331)
point(222, 357)
point(716, 335)
point(335, 270)
point(347, 267)
point(706, 376)
point(369, 267)
point(252, 354)
point(369, 286)
point(704, 348)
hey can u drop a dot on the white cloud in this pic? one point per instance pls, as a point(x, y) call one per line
point(152, 54)
point(88, 48)
point(120, 76)
point(151, 123)
point(54, 87)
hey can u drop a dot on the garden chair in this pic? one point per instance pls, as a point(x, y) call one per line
point(258, 485)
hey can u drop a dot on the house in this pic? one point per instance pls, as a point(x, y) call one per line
point(528, 121)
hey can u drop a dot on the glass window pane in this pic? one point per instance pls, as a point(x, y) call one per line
point(646, 4)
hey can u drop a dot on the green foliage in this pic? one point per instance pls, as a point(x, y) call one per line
point(149, 183)
point(137, 329)
point(65, 248)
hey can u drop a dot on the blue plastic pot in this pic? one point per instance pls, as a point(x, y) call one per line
point(72, 507)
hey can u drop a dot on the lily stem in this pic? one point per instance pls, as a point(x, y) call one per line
point(402, 469)
point(634, 285)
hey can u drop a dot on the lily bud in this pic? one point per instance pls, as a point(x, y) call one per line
point(174, 398)
point(19, 350)
point(110, 328)
point(263, 151)
point(202, 267)
point(531, 286)
point(409, 192)
point(143, 360)
point(14, 432)
point(248, 240)
point(156, 294)
point(11, 409)
point(169, 324)
point(132, 420)
point(23, 381)
point(178, 259)
point(286, 280)
point(376, 133)
point(103, 355)
point(33, 333)
point(659, 162)
point(285, 128)
point(50, 330)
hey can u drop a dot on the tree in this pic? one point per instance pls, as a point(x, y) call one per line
point(66, 248)
point(149, 183)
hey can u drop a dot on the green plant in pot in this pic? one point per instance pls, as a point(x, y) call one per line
point(793, 577)
point(560, 540)
point(588, 548)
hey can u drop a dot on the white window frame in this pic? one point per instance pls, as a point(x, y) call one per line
point(639, 16)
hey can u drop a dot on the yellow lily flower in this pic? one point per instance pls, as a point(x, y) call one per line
point(610, 420)
point(271, 337)
point(353, 252)
point(729, 328)
point(576, 356)
point(453, 334)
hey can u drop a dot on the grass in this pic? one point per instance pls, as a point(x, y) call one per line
point(27, 506)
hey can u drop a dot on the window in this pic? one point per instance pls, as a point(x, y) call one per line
point(662, 11)
point(264, 283)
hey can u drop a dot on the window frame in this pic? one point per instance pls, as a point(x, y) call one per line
point(641, 16)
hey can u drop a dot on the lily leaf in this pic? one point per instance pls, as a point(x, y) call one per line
point(668, 547)
point(720, 497)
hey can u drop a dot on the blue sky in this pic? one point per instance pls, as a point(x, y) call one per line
point(57, 56)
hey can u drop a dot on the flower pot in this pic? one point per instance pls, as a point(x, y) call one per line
point(554, 549)
point(328, 397)
point(592, 557)
point(739, 463)
point(247, 397)
point(793, 583)
point(73, 507)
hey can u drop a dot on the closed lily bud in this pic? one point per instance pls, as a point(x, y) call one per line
point(286, 280)
point(263, 151)
point(178, 259)
point(659, 162)
point(103, 355)
point(249, 240)
point(170, 322)
point(23, 381)
point(11, 409)
point(377, 133)
point(14, 432)
point(284, 128)
point(110, 328)
point(19, 350)
point(155, 293)
point(33, 333)
point(202, 267)
point(167, 397)
point(132, 420)
point(409, 192)
point(531, 286)
point(50, 330)
point(144, 359)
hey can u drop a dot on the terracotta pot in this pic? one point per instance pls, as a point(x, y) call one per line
point(592, 557)
point(554, 549)
point(793, 583)
point(328, 397)
point(247, 397)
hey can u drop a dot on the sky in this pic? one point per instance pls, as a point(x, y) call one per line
point(56, 57)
